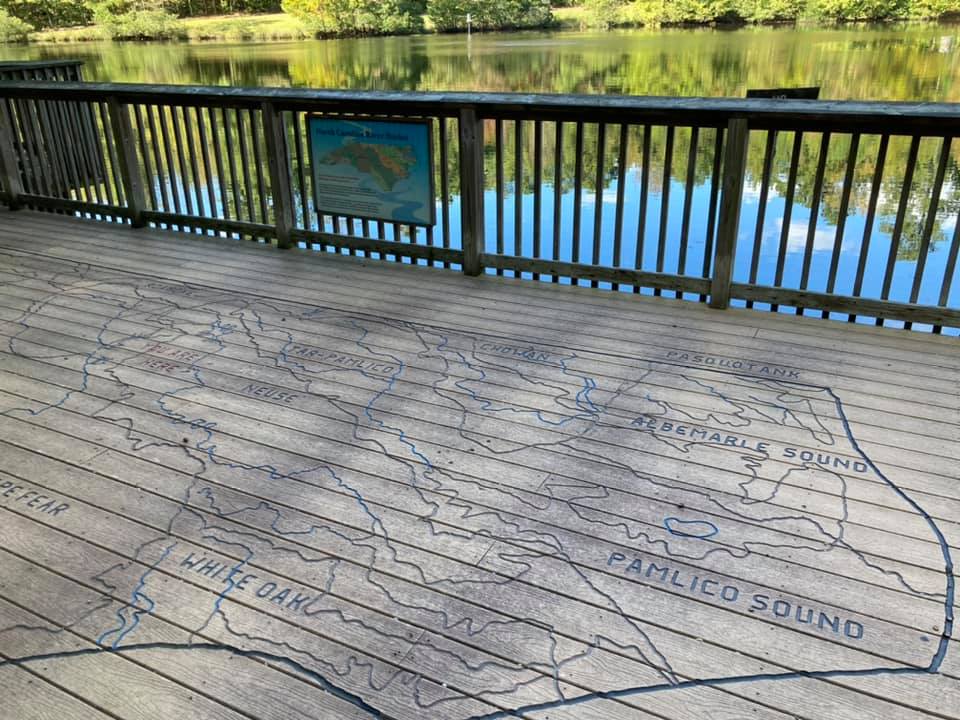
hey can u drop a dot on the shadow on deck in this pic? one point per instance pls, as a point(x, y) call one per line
point(246, 483)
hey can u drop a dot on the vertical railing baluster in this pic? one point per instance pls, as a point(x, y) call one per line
point(871, 216)
point(207, 164)
point(41, 145)
point(256, 135)
point(814, 213)
point(171, 164)
point(191, 149)
point(715, 180)
point(301, 169)
point(9, 167)
point(155, 141)
point(598, 197)
point(537, 188)
point(179, 149)
point(687, 202)
point(621, 196)
point(470, 132)
point(928, 227)
point(73, 158)
point(87, 170)
point(278, 160)
point(40, 155)
point(577, 197)
point(769, 152)
point(125, 143)
point(54, 122)
point(498, 143)
point(557, 192)
point(145, 157)
point(731, 200)
point(69, 154)
point(787, 212)
point(381, 235)
point(398, 239)
point(231, 159)
point(444, 187)
point(902, 207)
point(220, 210)
point(113, 188)
point(517, 191)
point(842, 216)
point(665, 202)
point(644, 198)
point(242, 138)
point(948, 270)
point(23, 145)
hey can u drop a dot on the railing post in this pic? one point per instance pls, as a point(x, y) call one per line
point(9, 169)
point(734, 170)
point(278, 161)
point(130, 175)
point(471, 190)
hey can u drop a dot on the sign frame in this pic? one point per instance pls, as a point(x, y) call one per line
point(426, 123)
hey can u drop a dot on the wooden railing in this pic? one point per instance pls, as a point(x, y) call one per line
point(569, 189)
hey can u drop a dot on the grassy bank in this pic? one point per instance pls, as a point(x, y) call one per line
point(277, 26)
point(235, 28)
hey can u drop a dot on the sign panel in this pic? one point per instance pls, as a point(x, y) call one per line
point(373, 169)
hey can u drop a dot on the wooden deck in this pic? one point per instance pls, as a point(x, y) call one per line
point(246, 483)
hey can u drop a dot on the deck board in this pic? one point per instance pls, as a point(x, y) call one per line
point(493, 498)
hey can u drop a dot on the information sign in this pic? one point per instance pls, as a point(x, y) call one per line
point(373, 169)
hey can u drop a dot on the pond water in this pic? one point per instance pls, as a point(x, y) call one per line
point(916, 62)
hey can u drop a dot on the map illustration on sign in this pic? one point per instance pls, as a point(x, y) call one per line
point(376, 169)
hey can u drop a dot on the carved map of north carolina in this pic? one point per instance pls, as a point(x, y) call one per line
point(435, 524)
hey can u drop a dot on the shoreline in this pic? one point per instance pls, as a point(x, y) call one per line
point(280, 27)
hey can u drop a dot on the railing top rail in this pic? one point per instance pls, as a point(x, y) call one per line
point(888, 117)
point(34, 64)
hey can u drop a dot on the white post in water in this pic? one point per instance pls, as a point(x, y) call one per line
point(468, 23)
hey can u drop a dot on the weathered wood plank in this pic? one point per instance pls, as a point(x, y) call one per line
point(359, 591)
point(228, 392)
point(609, 346)
point(416, 401)
point(296, 269)
point(318, 342)
point(97, 234)
point(441, 475)
point(101, 308)
point(27, 697)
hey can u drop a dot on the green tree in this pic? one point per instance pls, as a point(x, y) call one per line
point(931, 9)
point(358, 17)
point(42, 14)
point(448, 15)
point(136, 19)
point(13, 29)
point(604, 13)
point(764, 11)
point(675, 12)
point(860, 9)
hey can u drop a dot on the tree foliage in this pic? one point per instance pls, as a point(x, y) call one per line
point(654, 13)
point(358, 17)
point(48, 13)
point(448, 15)
point(196, 8)
point(136, 19)
point(13, 29)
